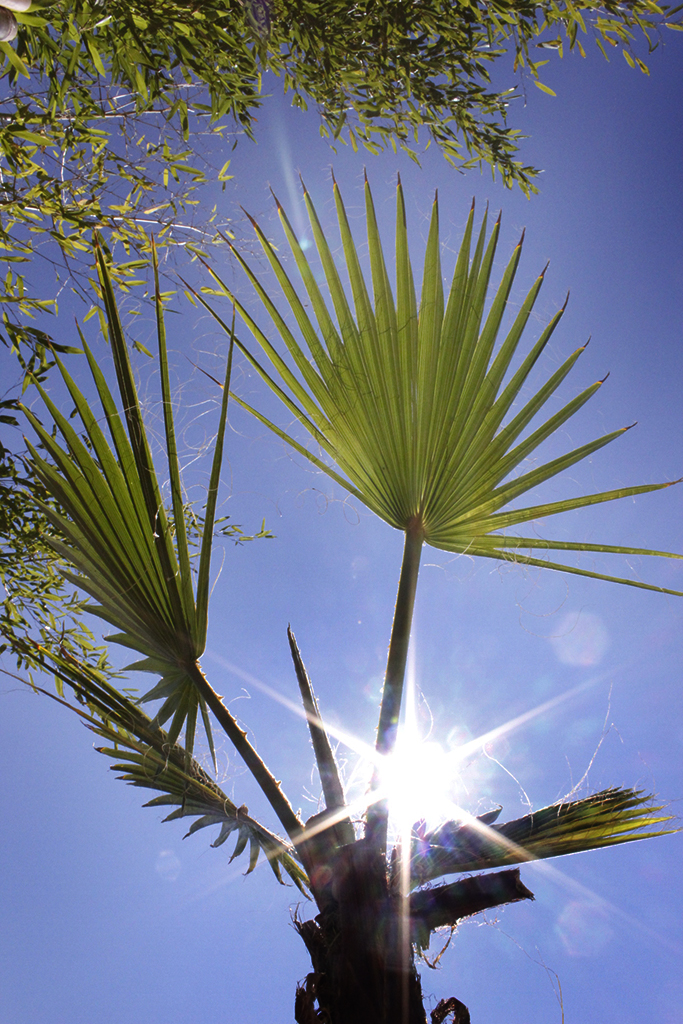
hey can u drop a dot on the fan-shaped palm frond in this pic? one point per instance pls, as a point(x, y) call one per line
point(608, 818)
point(150, 759)
point(131, 554)
point(415, 405)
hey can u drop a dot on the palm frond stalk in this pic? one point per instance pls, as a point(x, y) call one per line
point(333, 790)
point(446, 905)
point(412, 406)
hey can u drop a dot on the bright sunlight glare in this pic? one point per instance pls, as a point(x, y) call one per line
point(418, 779)
point(422, 780)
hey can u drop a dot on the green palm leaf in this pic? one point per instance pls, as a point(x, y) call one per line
point(130, 554)
point(148, 758)
point(411, 407)
point(410, 403)
point(608, 818)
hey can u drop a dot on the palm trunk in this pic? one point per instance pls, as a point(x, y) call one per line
point(363, 973)
point(360, 973)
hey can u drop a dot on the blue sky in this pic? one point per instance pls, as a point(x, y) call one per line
point(110, 916)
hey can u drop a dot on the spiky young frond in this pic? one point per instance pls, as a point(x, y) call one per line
point(607, 818)
point(148, 758)
point(131, 555)
point(415, 403)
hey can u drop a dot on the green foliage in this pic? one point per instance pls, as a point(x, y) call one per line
point(98, 105)
point(131, 560)
point(414, 405)
point(103, 505)
point(378, 72)
point(37, 605)
point(90, 162)
point(608, 818)
point(84, 151)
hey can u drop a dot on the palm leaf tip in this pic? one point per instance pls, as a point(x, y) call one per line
point(414, 402)
point(608, 818)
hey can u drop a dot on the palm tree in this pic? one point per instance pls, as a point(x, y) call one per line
point(411, 410)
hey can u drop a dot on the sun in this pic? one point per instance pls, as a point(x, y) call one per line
point(419, 779)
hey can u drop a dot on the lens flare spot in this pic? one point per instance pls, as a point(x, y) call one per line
point(583, 928)
point(168, 865)
point(581, 639)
